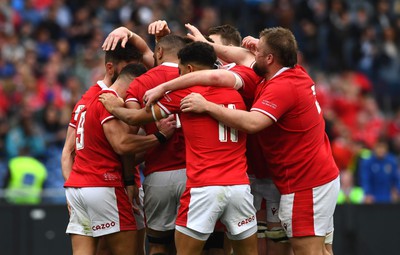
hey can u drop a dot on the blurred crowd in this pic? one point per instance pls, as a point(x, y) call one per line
point(51, 53)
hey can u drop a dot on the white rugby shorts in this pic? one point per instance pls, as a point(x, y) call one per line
point(98, 211)
point(233, 205)
point(309, 212)
point(266, 189)
point(162, 193)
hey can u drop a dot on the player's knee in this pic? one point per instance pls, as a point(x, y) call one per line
point(276, 234)
point(261, 228)
point(164, 240)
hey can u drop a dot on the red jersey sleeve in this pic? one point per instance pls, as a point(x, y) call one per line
point(274, 101)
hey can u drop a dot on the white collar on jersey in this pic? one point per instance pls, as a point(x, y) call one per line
point(102, 84)
point(112, 90)
point(169, 64)
point(280, 71)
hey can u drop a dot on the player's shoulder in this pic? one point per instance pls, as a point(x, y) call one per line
point(107, 90)
point(92, 91)
point(151, 74)
point(165, 67)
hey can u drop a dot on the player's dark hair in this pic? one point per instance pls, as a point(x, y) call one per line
point(171, 44)
point(131, 71)
point(282, 43)
point(198, 53)
point(128, 54)
point(229, 34)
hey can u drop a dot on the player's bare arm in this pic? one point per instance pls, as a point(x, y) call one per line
point(227, 53)
point(217, 77)
point(249, 122)
point(68, 153)
point(165, 126)
point(130, 116)
point(121, 141)
point(125, 35)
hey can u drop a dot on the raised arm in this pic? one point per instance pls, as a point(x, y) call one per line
point(229, 54)
point(125, 35)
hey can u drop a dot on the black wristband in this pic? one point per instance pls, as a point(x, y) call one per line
point(160, 137)
point(129, 182)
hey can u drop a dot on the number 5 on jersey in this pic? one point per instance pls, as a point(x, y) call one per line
point(80, 132)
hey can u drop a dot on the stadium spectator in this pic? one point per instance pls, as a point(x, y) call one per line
point(25, 179)
point(379, 175)
point(25, 135)
point(349, 193)
point(4, 127)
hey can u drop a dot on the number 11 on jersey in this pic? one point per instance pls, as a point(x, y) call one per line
point(223, 130)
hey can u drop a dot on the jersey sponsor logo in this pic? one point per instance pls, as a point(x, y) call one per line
point(103, 226)
point(246, 221)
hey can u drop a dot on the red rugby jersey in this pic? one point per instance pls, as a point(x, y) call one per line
point(96, 164)
point(89, 94)
point(215, 153)
point(170, 155)
point(296, 147)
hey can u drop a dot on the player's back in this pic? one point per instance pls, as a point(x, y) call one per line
point(215, 153)
point(96, 163)
point(170, 155)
